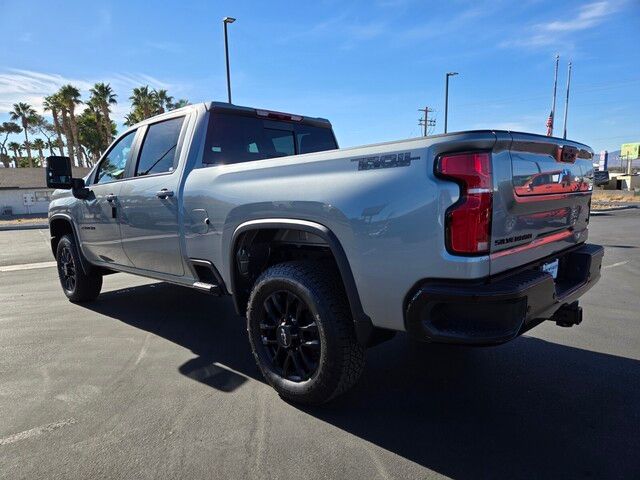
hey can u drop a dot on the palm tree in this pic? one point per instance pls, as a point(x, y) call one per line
point(130, 119)
point(55, 143)
point(97, 125)
point(7, 128)
point(71, 97)
point(183, 102)
point(91, 134)
point(48, 131)
point(66, 126)
point(59, 103)
point(143, 103)
point(146, 103)
point(16, 148)
point(39, 145)
point(103, 97)
point(52, 103)
point(162, 99)
point(26, 114)
point(27, 146)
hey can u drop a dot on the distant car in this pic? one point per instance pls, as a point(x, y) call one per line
point(559, 181)
point(327, 250)
point(546, 182)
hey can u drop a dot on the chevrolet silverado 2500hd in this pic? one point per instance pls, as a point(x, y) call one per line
point(466, 238)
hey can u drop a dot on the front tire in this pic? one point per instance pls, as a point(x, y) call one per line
point(76, 284)
point(301, 332)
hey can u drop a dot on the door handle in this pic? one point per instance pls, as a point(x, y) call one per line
point(110, 197)
point(164, 193)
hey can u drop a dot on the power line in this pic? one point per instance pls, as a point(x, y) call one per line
point(426, 122)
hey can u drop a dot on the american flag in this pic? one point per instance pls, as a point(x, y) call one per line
point(550, 124)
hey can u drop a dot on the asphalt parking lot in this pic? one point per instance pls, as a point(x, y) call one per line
point(156, 381)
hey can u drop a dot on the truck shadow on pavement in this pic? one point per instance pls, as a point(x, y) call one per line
point(530, 408)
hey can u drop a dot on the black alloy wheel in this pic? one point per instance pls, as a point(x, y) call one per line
point(301, 332)
point(67, 270)
point(290, 337)
point(77, 284)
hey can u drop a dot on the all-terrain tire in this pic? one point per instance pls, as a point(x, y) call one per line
point(341, 358)
point(76, 284)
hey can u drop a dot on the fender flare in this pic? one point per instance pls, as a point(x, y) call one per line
point(86, 266)
point(362, 323)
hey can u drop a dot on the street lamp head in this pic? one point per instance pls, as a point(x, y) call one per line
point(451, 74)
point(228, 19)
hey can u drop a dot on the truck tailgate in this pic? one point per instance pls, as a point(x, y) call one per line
point(542, 198)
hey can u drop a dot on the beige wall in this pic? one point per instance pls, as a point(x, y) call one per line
point(14, 198)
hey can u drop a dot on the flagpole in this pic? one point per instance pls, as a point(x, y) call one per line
point(553, 102)
point(566, 103)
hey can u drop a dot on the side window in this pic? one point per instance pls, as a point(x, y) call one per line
point(113, 166)
point(158, 152)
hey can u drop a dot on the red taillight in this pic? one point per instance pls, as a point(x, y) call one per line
point(468, 223)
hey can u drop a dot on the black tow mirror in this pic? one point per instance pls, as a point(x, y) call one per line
point(59, 175)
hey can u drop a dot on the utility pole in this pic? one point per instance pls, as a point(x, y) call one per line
point(552, 116)
point(446, 98)
point(426, 122)
point(566, 102)
point(226, 21)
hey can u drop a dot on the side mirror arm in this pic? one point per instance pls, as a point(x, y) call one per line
point(78, 189)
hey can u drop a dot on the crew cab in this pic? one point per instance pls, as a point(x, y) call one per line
point(327, 251)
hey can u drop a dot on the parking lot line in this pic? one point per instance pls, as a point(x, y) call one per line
point(26, 266)
point(36, 431)
point(616, 264)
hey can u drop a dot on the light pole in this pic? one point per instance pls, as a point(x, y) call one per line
point(225, 21)
point(446, 98)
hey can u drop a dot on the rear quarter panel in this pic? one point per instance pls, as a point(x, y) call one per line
point(389, 221)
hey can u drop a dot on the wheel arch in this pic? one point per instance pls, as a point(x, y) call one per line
point(362, 323)
point(61, 224)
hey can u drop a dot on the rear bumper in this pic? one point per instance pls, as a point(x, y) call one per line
point(501, 308)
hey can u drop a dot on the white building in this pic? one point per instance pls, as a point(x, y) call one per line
point(24, 190)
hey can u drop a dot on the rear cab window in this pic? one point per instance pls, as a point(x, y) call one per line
point(235, 137)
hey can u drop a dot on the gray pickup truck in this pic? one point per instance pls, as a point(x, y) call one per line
point(467, 238)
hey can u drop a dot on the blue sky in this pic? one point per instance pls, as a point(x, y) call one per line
point(366, 65)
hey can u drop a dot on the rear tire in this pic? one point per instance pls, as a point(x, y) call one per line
point(76, 284)
point(301, 332)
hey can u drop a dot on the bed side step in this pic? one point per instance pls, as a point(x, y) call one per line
point(207, 288)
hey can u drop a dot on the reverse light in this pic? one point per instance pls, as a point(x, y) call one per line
point(468, 221)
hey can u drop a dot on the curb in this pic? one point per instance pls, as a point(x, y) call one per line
point(31, 226)
point(613, 209)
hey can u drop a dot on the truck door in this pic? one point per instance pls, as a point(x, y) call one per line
point(98, 225)
point(149, 222)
